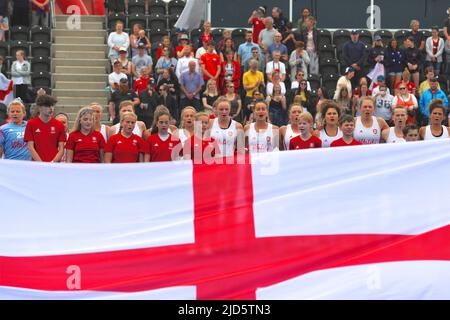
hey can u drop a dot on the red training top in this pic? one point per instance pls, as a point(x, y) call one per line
point(125, 150)
point(258, 26)
point(160, 150)
point(211, 61)
point(298, 143)
point(341, 143)
point(86, 148)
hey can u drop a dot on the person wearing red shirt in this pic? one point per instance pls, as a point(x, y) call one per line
point(210, 63)
point(305, 140)
point(183, 41)
point(162, 146)
point(206, 36)
point(406, 77)
point(45, 136)
point(200, 147)
point(39, 16)
point(165, 43)
point(142, 82)
point(257, 21)
point(347, 126)
point(125, 146)
point(85, 144)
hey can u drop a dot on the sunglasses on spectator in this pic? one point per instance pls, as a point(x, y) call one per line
point(403, 88)
point(303, 83)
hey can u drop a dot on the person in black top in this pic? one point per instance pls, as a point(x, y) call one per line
point(290, 38)
point(169, 79)
point(149, 101)
point(20, 16)
point(168, 100)
point(115, 6)
point(354, 55)
point(279, 22)
point(447, 26)
point(122, 94)
point(413, 59)
point(419, 38)
point(377, 53)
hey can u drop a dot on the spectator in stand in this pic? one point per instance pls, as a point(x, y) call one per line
point(228, 46)
point(122, 94)
point(344, 101)
point(210, 96)
point(20, 16)
point(305, 140)
point(447, 26)
point(276, 65)
point(418, 37)
point(4, 25)
point(183, 62)
point(21, 76)
point(277, 106)
point(257, 21)
point(64, 119)
point(322, 100)
point(245, 50)
point(210, 64)
point(116, 40)
point(347, 127)
point(395, 134)
point(231, 72)
point(40, 13)
point(12, 145)
point(267, 35)
point(116, 6)
point(191, 84)
point(377, 53)
point(279, 21)
point(376, 86)
point(115, 76)
point(301, 23)
point(428, 96)
point(394, 62)
point(234, 100)
point(85, 144)
point(256, 55)
point(413, 59)
point(447, 59)
point(125, 63)
point(252, 81)
point(425, 85)
point(138, 36)
point(170, 80)
point(206, 36)
point(345, 82)
point(383, 103)
point(149, 101)
point(276, 80)
point(45, 136)
point(407, 100)
point(183, 41)
point(435, 49)
point(435, 129)
point(226, 34)
point(142, 59)
point(165, 43)
point(406, 81)
point(299, 60)
point(299, 76)
point(165, 62)
point(305, 97)
point(359, 93)
point(277, 46)
point(290, 37)
point(127, 107)
point(202, 50)
point(309, 38)
point(354, 55)
point(143, 81)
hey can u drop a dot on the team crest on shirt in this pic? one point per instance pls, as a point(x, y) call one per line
point(375, 131)
point(230, 133)
point(52, 130)
point(94, 139)
point(311, 145)
point(268, 139)
point(38, 130)
point(156, 145)
point(79, 140)
point(119, 142)
point(134, 142)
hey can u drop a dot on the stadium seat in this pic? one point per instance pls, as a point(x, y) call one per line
point(172, 20)
point(136, 6)
point(365, 36)
point(328, 67)
point(18, 45)
point(314, 81)
point(218, 35)
point(19, 33)
point(40, 64)
point(157, 6)
point(157, 21)
point(194, 35)
point(400, 36)
point(176, 6)
point(137, 18)
point(329, 82)
point(113, 18)
point(156, 35)
point(385, 35)
point(340, 37)
point(41, 49)
point(41, 79)
point(238, 36)
point(426, 33)
point(39, 33)
point(4, 50)
point(326, 51)
point(324, 37)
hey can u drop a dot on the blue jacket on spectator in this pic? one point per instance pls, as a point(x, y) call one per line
point(427, 97)
point(354, 52)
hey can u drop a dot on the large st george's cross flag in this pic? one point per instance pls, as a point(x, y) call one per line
point(367, 222)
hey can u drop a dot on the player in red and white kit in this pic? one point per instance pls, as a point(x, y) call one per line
point(85, 144)
point(125, 146)
point(347, 126)
point(305, 140)
point(162, 146)
point(261, 136)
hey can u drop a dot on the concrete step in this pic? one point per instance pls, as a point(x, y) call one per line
point(77, 47)
point(81, 77)
point(80, 40)
point(90, 18)
point(80, 85)
point(80, 54)
point(81, 62)
point(67, 108)
point(80, 101)
point(80, 92)
point(79, 33)
point(83, 25)
point(80, 70)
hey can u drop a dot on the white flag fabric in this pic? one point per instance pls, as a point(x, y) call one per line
point(192, 15)
point(6, 90)
point(378, 70)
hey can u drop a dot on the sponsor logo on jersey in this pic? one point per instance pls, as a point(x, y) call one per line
point(38, 130)
point(80, 140)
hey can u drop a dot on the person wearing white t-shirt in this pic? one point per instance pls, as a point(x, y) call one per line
point(276, 65)
point(21, 76)
point(115, 77)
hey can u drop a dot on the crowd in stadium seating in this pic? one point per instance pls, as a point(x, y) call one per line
point(272, 87)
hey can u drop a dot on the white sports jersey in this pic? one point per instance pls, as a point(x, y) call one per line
point(260, 142)
point(327, 140)
point(182, 136)
point(103, 132)
point(137, 131)
point(392, 138)
point(288, 136)
point(430, 136)
point(226, 138)
point(367, 135)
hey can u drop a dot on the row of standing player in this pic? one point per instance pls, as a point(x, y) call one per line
point(44, 138)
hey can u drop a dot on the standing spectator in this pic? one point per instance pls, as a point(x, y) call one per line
point(418, 37)
point(231, 72)
point(116, 6)
point(149, 102)
point(165, 43)
point(182, 42)
point(12, 144)
point(277, 46)
point(347, 126)
point(166, 98)
point(45, 135)
point(170, 80)
point(257, 21)
point(344, 101)
point(183, 62)
point(435, 49)
point(362, 91)
point(143, 81)
point(290, 37)
point(345, 82)
point(138, 36)
point(227, 46)
point(252, 81)
point(210, 64)
point(407, 100)
point(115, 76)
point(40, 13)
point(142, 59)
point(165, 62)
point(301, 23)
point(277, 106)
point(206, 36)
point(279, 21)
point(21, 76)
point(191, 83)
point(299, 76)
point(354, 55)
point(447, 59)
point(377, 52)
point(304, 97)
point(394, 62)
point(202, 50)
point(309, 37)
point(276, 80)
point(20, 16)
point(245, 50)
point(122, 94)
point(383, 104)
point(267, 35)
point(234, 100)
point(429, 95)
point(226, 34)
point(85, 145)
point(4, 25)
point(256, 55)
point(210, 96)
point(413, 59)
point(299, 60)
point(125, 63)
point(406, 81)
point(447, 26)
point(116, 40)
point(376, 86)
point(425, 85)
point(276, 65)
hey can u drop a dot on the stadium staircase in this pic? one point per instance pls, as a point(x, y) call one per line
point(80, 64)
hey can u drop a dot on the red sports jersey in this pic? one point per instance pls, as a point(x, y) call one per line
point(141, 85)
point(297, 143)
point(160, 150)
point(125, 150)
point(211, 61)
point(86, 148)
point(411, 86)
point(201, 149)
point(180, 48)
point(258, 26)
point(45, 136)
point(341, 143)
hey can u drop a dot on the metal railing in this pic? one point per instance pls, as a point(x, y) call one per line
point(53, 14)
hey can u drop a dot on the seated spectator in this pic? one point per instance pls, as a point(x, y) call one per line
point(206, 35)
point(21, 76)
point(377, 53)
point(435, 129)
point(116, 40)
point(345, 82)
point(123, 93)
point(309, 36)
point(210, 64)
point(305, 140)
point(354, 55)
point(394, 62)
point(411, 133)
point(40, 13)
point(257, 21)
point(182, 42)
point(406, 81)
point(143, 81)
point(395, 134)
point(149, 101)
point(235, 101)
point(279, 21)
point(142, 59)
point(413, 59)
point(277, 106)
point(383, 103)
point(429, 75)
point(429, 95)
point(267, 35)
point(277, 45)
point(165, 62)
point(276, 65)
point(299, 60)
point(210, 96)
point(138, 36)
point(245, 50)
point(169, 79)
point(302, 22)
point(4, 26)
point(407, 100)
point(256, 55)
point(116, 6)
point(228, 46)
point(165, 43)
point(183, 62)
point(125, 63)
point(347, 127)
point(417, 36)
point(115, 76)
point(435, 49)
point(231, 72)
point(191, 83)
